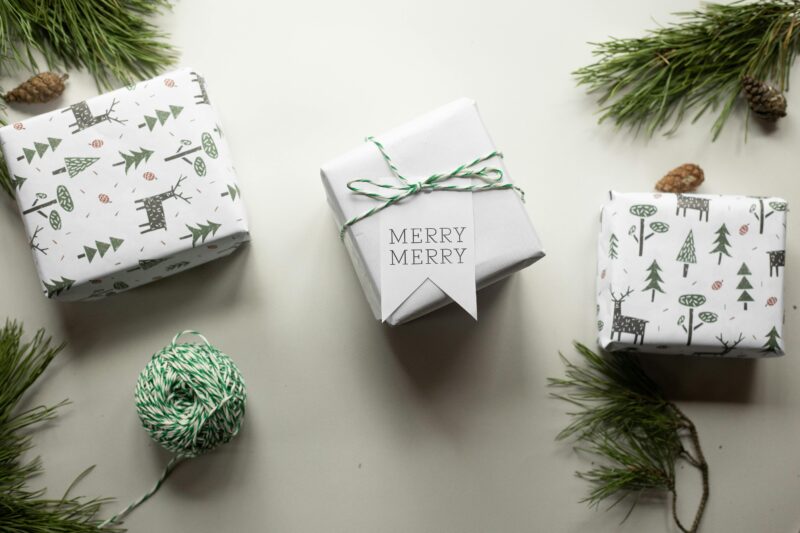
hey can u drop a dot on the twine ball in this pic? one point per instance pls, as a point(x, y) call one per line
point(191, 397)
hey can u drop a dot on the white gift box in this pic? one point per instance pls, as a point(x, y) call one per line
point(692, 274)
point(126, 187)
point(504, 238)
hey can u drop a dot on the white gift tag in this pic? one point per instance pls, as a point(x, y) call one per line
point(430, 236)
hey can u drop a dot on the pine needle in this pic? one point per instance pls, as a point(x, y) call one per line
point(23, 509)
point(112, 39)
point(622, 417)
point(651, 83)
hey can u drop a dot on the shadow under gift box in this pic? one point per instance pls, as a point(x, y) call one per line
point(125, 188)
point(692, 274)
point(505, 240)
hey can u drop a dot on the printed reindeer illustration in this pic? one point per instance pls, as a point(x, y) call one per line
point(154, 207)
point(777, 259)
point(626, 324)
point(692, 202)
point(84, 118)
point(201, 98)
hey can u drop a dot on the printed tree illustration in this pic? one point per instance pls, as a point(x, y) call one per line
point(17, 181)
point(161, 117)
point(63, 198)
point(201, 232)
point(201, 98)
point(39, 149)
point(692, 301)
point(645, 211)
point(147, 264)
point(612, 247)
point(233, 192)
point(56, 287)
point(101, 248)
point(134, 158)
point(744, 284)
point(722, 243)
point(772, 344)
point(207, 145)
point(758, 212)
point(654, 280)
point(686, 255)
point(75, 165)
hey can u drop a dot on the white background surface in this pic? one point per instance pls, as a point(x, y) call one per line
point(442, 425)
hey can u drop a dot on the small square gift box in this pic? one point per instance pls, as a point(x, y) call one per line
point(125, 188)
point(692, 274)
point(429, 215)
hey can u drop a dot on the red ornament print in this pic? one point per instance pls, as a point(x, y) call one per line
point(149, 176)
point(19, 126)
point(104, 198)
point(772, 300)
point(744, 229)
point(169, 82)
point(97, 143)
point(717, 285)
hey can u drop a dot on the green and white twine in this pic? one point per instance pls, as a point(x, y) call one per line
point(390, 194)
point(190, 398)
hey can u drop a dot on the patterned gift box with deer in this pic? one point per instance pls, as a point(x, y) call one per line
point(125, 188)
point(692, 274)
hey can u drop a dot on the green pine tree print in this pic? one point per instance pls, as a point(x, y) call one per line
point(722, 243)
point(744, 284)
point(233, 192)
point(134, 158)
point(654, 280)
point(17, 181)
point(201, 232)
point(161, 116)
point(75, 165)
point(56, 287)
point(100, 248)
point(612, 245)
point(772, 344)
point(686, 255)
point(39, 148)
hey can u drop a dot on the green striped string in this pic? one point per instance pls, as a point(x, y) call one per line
point(390, 194)
point(190, 398)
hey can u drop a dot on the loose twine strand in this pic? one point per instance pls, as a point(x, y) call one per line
point(390, 194)
point(190, 398)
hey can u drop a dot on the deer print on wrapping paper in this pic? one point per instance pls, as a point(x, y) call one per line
point(154, 207)
point(201, 98)
point(692, 202)
point(84, 118)
point(777, 259)
point(626, 324)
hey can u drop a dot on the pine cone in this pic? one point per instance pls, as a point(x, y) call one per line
point(765, 101)
point(685, 178)
point(41, 88)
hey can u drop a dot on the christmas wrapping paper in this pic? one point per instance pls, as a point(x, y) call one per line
point(504, 238)
point(692, 274)
point(125, 188)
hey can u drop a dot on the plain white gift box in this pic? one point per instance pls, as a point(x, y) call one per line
point(125, 188)
point(692, 274)
point(505, 240)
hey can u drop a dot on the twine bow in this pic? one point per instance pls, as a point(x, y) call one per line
point(390, 194)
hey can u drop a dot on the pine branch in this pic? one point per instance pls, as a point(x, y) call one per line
point(112, 39)
point(693, 65)
point(21, 508)
point(623, 418)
